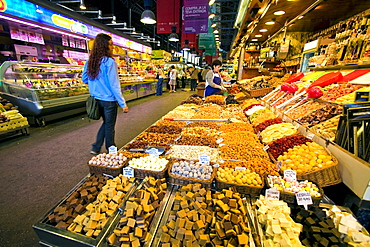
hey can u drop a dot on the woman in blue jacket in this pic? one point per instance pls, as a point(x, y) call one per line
point(101, 73)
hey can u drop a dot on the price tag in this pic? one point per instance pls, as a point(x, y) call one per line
point(204, 159)
point(222, 144)
point(128, 172)
point(272, 194)
point(216, 165)
point(153, 151)
point(279, 165)
point(304, 198)
point(266, 147)
point(238, 168)
point(258, 133)
point(310, 136)
point(290, 174)
point(219, 140)
point(112, 150)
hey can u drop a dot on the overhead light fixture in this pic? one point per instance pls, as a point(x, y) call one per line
point(186, 45)
point(254, 39)
point(159, 43)
point(270, 23)
point(214, 25)
point(173, 36)
point(300, 17)
point(258, 35)
point(263, 30)
point(82, 4)
point(280, 12)
point(114, 20)
point(211, 16)
point(148, 17)
point(216, 31)
point(100, 14)
point(211, 2)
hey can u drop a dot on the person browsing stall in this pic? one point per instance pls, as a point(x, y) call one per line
point(101, 74)
point(213, 79)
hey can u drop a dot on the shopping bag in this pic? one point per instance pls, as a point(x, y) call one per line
point(92, 108)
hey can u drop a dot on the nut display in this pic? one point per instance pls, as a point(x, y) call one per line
point(108, 160)
point(306, 158)
point(233, 113)
point(170, 123)
point(131, 155)
point(286, 98)
point(150, 162)
point(192, 152)
point(139, 211)
point(263, 125)
point(192, 169)
point(207, 124)
point(321, 115)
point(97, 213)
point(199, 131)
point(165, 129)
point(215, 99)
point(181, 113)
point(277, 131)
point(236, 127)
point(193, 100)
point(143, 145)
point(156, 138)
point(291, 186)
point(241, 177)
point(328, 128)
point(279, 146)
point(193, 140)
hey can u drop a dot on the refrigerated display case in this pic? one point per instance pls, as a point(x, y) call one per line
point(43, 91)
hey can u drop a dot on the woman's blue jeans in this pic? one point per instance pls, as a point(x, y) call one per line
point(159, 87)
point(108, 110)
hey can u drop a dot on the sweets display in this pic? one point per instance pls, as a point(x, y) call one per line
point(290, 186)
point(282, 145)
point(193, 140)
point(241, 177)
point(321, 115)
point(192, 169)
point(263, 125)
point(156, 138)
point(91, 221)
point(192, 152)
point(150, 162)
point(108, 160)
point(277, 131)
point(215, 99)
point(140, 208)
point(304, 109)
point(338, 91)
point(328, 128)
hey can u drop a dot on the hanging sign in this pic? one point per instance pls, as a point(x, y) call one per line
point(195, 14)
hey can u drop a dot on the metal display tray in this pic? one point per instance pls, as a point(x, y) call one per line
point(50, 235)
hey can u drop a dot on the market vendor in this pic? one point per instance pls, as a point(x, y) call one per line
point(213, 79)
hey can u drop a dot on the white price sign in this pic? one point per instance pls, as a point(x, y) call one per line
point(216, 165)
point(238, 168)
point(128, 172)
point(153, 151)
point(310, 135)
point(290, 174)
point(304, 198)
point(279, 165)
point(219, 140)
point(204, 159)
point(258, 133)
point(272, 194)
point(266, 147)
point(112, 150)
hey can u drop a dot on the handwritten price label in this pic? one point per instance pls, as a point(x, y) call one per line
point(153, 151)
point(238, 168)
point(310, 136)
point(128, 172)
point(258, 133)
point(204, 159)
point(112, 150)
point(304, 198)
point(266, 147)
point(272, 194)
point(290, 174)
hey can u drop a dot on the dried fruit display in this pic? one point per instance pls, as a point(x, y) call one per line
point(251, 106)
point(290, 186)
point(321, 115)
point(261, 167)
point(207, 124)
point(131, 155)
point(306, 158)
point(238, 137)
point(328, 128)
point(350, 98)
point(215, 99)
point(184, 113)
point(338, 91)
point(236, 127)
point(192, 152)
point(156, 138)
point(277, 131)
point(233, 113)
point(263, 117)
point(250, 152)
point(258, 113)
point(287, 97)
point(242, 177)
point(199, 131)
point(193, 140)
point(261, 126)
point(254, 109)
point(144, 145)
point(278, 147)
point(193, 100)
point(305, 109)
point(249, 102)
point(170, 123)
point(165, 129)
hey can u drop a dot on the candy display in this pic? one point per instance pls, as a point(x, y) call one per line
point(282, 145)
point(306, 158)
point(108, 160)
point(192, 152)
point(289, 185)
point(321, 115)
point(338, 91)
point(215, 99)
point(277, 131)
point(150, 162)
point(305, 109)
point(328, 128)
point(241, 177)
point(192, 169)
point(263, 125)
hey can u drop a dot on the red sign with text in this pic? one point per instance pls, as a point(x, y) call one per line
point(168, 15)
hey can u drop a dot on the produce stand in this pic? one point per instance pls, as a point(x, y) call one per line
point(19, 130)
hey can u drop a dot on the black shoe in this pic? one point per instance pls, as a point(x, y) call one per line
point(93, 152)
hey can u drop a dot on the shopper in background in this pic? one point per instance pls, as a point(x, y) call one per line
point(160, 76)
point(183, 79)
point(204, 73)
point(173, 77)
point(101, 73)
point(193, 78)
point(213, 80)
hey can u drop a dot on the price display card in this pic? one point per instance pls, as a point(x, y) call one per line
point(153, 151)
point(238, 168)
point(204, 159)
point(290, 174)
point(272, 194)
point(304, 198)
point(128, 172)
point(265, 148)
point(113, 150)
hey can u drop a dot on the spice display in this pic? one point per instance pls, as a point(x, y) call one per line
point(192, 169)
point(172, 130)
point(321, 115)
point(338, 91)
point(328, 128)
point(263, 125)
point(108, 160)
point(236, 127)
point(170, 123)
point(193, 140)
point(192, 152)
point(156, 138)
point(150, 162)
point(207, 124)
point(193, 100)
point(291, 186)
point(277, 131)
point(215, 99)
point(306, 158)
point(278, 147)
point(133, 227)
point(242, 177)
point(199, 131)
point(305, 109)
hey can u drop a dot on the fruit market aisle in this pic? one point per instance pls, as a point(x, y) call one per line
point(38, 170)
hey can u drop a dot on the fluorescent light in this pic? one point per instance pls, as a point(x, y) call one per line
point(211, 16)
point(242, 10)
point(280, 12)
point(258, 35)
point(114, 20)
point(82, 4)
point(254, 39)
point(211, 2)
point(300, 17)
point(270, 23)
point(263, 30)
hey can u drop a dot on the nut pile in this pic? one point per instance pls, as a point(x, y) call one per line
point(236, 127)
point(215, 99)
point(278, 147)
point(277, 131)
point(207, 124)
point(170, 123)
point(150, 162)
point(290, 186)
point(321, 115)
point(193, 100)
point(192, 169)
point(156, 138)
point(240, 177)
point(199, 131)
point(262, 126)
point(328, 128)
point(305, 109)
point(108, 160)
point(165, 129)
point(193, 140)
point(192, 152)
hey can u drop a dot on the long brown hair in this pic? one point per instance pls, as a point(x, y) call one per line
point(99, 50)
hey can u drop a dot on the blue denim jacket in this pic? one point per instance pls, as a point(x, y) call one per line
point(106, 86)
